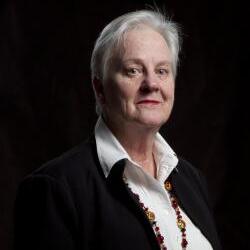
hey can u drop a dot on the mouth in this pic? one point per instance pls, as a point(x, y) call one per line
point(148, 101)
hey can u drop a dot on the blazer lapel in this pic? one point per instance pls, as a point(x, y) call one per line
point(120, 190)
point(193, 203)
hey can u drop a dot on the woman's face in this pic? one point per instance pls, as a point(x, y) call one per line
point(139, 88)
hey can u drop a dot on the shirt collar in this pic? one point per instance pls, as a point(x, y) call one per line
point(110, 151)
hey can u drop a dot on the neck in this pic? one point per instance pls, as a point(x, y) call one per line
point(139, 144)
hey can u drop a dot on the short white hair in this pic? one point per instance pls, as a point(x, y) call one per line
point(113, 34)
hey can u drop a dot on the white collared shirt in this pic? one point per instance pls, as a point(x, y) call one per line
point(150, 190)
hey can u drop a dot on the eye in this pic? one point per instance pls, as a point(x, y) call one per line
point(133, 71)
point(162, 71)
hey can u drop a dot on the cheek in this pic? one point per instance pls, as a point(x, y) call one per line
point(168, 92)
point(110, 91)
point(125, 91)
point(172, 92)
point(171, 89)
point(115, 97)
point(120, 91)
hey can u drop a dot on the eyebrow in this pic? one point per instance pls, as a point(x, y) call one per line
point(140, 61)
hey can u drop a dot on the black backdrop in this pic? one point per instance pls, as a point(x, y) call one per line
point(47, 105)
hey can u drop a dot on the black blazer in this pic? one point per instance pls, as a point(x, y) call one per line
point(68, 204)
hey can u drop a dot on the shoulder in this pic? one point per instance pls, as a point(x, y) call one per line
point(185, 168)
point(193, 177)
point(77, 163)
point(66, 178)
point(188, 170)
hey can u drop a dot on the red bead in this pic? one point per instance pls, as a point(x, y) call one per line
point(160, 239)
point(174, 204)
point(184, 243)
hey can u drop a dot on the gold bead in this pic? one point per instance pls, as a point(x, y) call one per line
point(181, 224)
point(150, 215)
point(168, 186)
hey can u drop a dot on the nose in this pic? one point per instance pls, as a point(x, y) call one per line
point(150, 83)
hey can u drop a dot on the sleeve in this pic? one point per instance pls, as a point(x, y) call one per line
point(44, 216)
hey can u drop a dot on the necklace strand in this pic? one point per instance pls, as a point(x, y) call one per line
point(151, 217)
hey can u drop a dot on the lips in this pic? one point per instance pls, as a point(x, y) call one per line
point(148, 101)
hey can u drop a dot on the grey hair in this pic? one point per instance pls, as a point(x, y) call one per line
point(113, 34)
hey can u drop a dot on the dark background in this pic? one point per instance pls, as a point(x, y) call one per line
point(47, 104)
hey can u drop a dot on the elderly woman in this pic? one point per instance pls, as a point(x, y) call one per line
point(125, 188)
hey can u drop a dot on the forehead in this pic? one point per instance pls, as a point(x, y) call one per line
point(144, 43)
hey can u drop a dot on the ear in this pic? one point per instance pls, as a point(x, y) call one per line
point(98, 88)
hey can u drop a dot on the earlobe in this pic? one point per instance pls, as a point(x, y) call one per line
point(98, 88)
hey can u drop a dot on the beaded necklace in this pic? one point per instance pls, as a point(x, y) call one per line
point(151, 217)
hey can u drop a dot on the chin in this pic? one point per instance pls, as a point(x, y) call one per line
point(153, 117)
point(153, 122)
